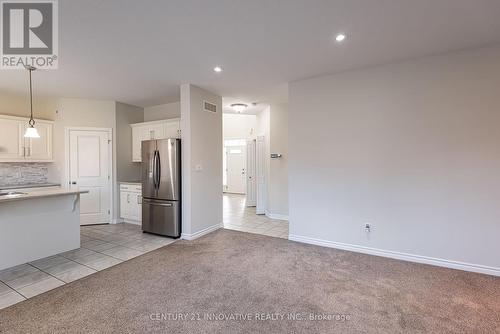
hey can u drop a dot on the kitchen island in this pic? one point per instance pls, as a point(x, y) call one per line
point(37, 223)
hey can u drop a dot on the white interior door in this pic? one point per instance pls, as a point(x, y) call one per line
point(251, 177)
point(89, 169)
point(236, 169)
point(261, 175)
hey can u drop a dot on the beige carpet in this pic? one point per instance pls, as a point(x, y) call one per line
point(254, 281)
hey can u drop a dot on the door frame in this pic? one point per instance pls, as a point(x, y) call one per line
point(67, 132)
point(261, 156)
point(251, 195)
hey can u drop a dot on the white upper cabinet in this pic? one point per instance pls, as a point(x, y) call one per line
point(40, 149)
point(15, 148)
point(11, 139)
point(169, 128)
point(172, 129)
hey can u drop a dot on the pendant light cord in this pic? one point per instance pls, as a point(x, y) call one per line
point(32, 121)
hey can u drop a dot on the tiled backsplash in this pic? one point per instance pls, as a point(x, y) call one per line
point(14, 173)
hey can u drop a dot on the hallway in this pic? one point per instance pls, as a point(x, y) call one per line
point(241, 218)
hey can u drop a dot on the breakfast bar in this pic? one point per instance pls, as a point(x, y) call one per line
point(38, 223)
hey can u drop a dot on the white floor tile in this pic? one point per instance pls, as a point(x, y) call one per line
point(40, 287)
point(10, 298)
point(63, 267)
point(4, 289)
point(15, 272)
point(27, 279)
point(74, 274)
point(49, 262)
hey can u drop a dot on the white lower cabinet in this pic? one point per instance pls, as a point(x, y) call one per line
point(131, 203)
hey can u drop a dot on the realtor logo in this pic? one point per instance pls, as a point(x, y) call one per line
point(29, 34)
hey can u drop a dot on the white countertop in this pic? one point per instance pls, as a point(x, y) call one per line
point(131, 182)
point(39, 193)
point(28, 185)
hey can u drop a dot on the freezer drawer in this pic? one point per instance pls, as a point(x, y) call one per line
point(161, 217)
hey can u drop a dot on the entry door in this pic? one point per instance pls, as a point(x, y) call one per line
point(251, 177)
point(236, 166)
point(89, 170)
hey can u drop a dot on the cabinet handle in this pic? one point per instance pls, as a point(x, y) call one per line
point(128, 198)
point(24, 151)
point(139, 199)
point(29, 151)
point(152, 134)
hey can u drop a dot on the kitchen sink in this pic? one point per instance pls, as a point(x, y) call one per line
point(11, 194)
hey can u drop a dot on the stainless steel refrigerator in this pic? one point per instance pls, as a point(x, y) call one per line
point(161, 187)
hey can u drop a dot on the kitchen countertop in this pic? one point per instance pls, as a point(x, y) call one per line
point(40, 193)
point(29, 185)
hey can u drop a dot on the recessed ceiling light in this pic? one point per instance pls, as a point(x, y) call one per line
point(239, 107)
point(340, 37)
point(217, 69)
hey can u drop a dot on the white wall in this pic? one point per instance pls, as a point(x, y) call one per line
point(18, 105)
point(201, 146)
point(82, 113)
point(238, 126)
point(126, 170)
point(126, 114)
point(278, 168)
point(162, 111)
point(412, 148)
point(272, 123)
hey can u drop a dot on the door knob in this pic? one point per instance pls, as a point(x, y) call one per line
point(73, 182)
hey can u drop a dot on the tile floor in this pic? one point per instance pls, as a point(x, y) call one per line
point(241, 218)
point(102, 246)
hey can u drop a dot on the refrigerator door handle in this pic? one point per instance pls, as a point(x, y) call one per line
point(158, 169)
point(145, 201)
point(154, 170)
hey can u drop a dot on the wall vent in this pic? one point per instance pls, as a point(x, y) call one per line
point(210, 107)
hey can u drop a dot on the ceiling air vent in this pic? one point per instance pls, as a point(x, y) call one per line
point(210, 107)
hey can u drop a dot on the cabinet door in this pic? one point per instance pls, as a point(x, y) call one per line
point(172, 129)
point(137, 137)
point(154, 131)
point(135, 206)
point(124, 204)
point(11, 140)
point(40, 149)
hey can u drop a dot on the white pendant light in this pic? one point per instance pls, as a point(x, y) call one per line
point(31, 131)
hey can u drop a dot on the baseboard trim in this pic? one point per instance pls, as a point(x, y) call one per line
point(276, 216)
point(196, 235)
point(398, 255)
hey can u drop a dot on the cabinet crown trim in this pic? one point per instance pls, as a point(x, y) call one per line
point(169, 120)
point(18, 118)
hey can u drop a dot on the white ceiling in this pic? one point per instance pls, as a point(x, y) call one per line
point(138, 52)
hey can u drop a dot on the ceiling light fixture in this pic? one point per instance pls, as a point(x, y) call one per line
point(217, 69)
point(340, 37)
point(239, 107)
point(31, 131)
